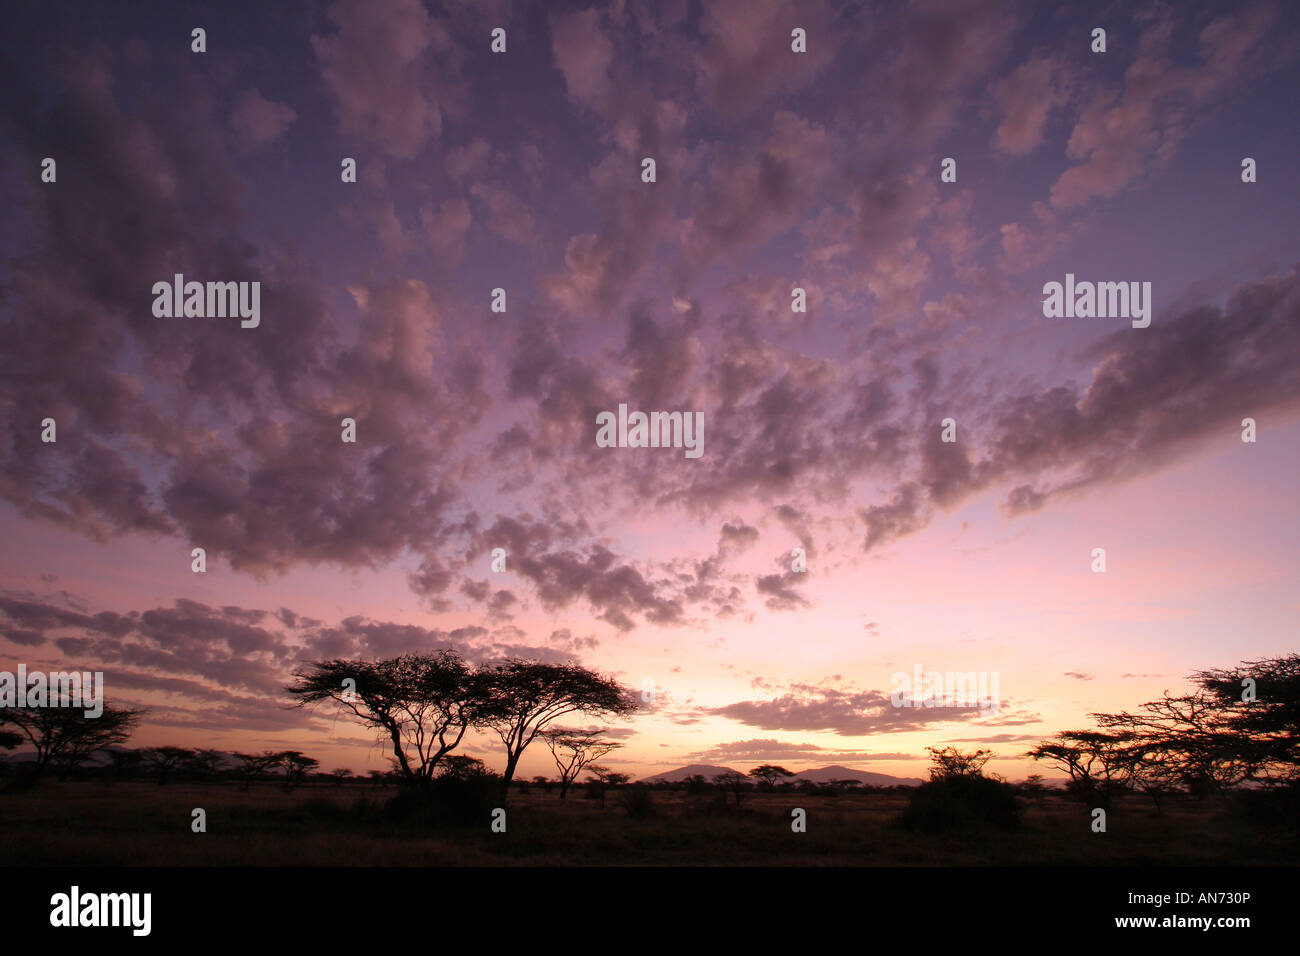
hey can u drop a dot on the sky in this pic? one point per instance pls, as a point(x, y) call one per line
point(775, 169)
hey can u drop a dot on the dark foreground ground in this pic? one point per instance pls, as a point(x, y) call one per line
point(141, 823)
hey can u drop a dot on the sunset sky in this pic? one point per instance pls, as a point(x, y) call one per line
point(476, 429)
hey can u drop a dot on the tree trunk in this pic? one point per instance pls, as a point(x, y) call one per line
point(512, 760)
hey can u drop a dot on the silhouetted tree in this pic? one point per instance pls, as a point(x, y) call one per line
point(8, 741)
point(524, 697)
point(958, 797)
point(421, 704)
point(166, 761)
point(575, 749)
point(341, 775)
point(125, 762)
point(459, 767)
point(770, 774)
point(951, 762)
point(205, 763)
point(1271, 722)
point(697, 783)
point(66, 736)
point(253, 766)
point(296, 766)
point(1033, 787)
point(733, 781)
point(1206, 741)
point(602, 779)
point(1095, 761)
point(1191, 739)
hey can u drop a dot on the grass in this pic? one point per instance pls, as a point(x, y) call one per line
point(143, 824)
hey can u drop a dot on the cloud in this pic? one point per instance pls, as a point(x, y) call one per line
point(583, 53)
point(1027, 97)
point(747, 59)
point(617, 591)
point(807, 707)
point(507, 216)
point(994, 739)
point(259, 120)
point(754, 194)
point(780, 590)
point(1189, 375)
point(392, 72)
point(1119, 134)
point(446, 227)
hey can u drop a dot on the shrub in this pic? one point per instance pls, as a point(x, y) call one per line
point(638, 803)
point(961, 803)
point(449, 801)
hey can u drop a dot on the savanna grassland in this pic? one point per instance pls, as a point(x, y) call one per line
point(134, 823)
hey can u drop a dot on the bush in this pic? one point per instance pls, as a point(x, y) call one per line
point(449, 801)
point(961, 803)
point(638, 803)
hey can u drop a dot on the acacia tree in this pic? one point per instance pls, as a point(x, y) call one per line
point(575, 749)
point(167, 760)
point(463, 767)
point(340, 775)
point(1269, 719)
point(1095, 761)
point(8, 741)
point(206, 762)
point(421, 704)
point(733, 781)
point(770, 773)
point(253, 766)
point(66, 736)
point(1237, 725)
point(523, 697)
point(1191, 739)
point(602, 779)
point(951, 762)
point(125, 762)
point(1033, 788)
point(296, 766)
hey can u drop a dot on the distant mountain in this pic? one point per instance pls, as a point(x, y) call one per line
point(681, 773)
point(817, 776)
point(826, 774)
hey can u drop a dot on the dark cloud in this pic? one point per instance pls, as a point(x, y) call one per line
point(805, 707)
point(1156, 395)
point(780, 591)
point(668, 295)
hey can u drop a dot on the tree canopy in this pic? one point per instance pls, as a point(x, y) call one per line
point(524, 697)
point(66, 736)
point(420, 704)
